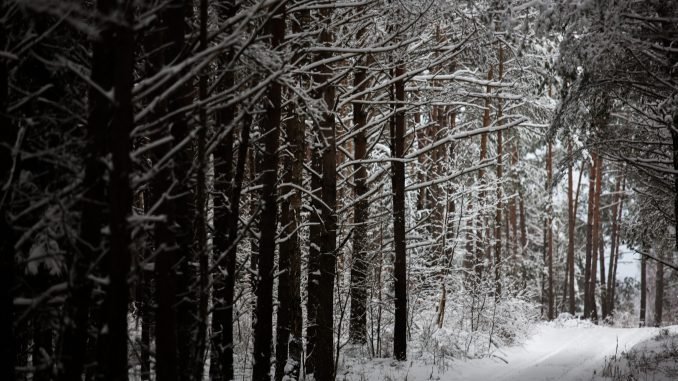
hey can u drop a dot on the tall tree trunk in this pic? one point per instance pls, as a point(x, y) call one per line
point(500, 174)
point(200, 226)
point(589, 239)
point(659, 290)
point(571, 216)
point(359, 268)
point(117, 296)
point(75, 335)
point(7, 138)
point(643, 289)
point(263, 332)
point(176, 16)
point(398, 180)
point(601, 258)
point(313, 266)
point(595, 236)
point(227, 185)
point(288, 334)
point(549, 229)
point(289, 341)
point(609, 301)
point(618, 218)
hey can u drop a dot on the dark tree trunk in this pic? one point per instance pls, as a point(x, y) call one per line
point(659, 292)
point(609, 301)
point(268, 223)
point(613, 281)
point(589, 240)
point(500, 175)
point(549, 231)
point(75, 335)
point(571, 217)
point(643, 289)
point(117, 296)
point(313, 267)
point(359, 268)
point(289, 329)
point(322, 254)
point(227, 187)
point(7, 137)
point(595, 236)
point(176, 16)
point(200, 232)
point(398, 184)
point(289, 340)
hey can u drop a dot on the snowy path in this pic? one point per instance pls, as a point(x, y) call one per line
point(569, 353)
point(555, 353)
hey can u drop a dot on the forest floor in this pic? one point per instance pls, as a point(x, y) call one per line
point(568, 351)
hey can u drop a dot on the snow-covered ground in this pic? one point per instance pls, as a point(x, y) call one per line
point(562, 350)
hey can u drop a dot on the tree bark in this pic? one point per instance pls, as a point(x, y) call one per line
point(659, 292)
point(7, 138)
point(643, 289)
point(595, 236)
point(571, 217)
point(398, 180)
point(589, 238)
point(263, 332)
point(549, 230)
point(117, 297)
point(359, 268)
point(609, 301)
point(75, 335)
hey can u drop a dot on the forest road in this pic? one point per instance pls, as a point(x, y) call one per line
point(568, 353)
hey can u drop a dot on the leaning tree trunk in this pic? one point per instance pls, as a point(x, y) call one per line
point(263, 332)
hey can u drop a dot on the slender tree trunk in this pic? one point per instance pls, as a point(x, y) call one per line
point(659, 292)
point(609, 301)
point(618, 218)
point(571, 217)
point(263, 333)
point(398, 180)
point(601, 258)
point(595, 236)
point(589, 239)
point(359, 268)
point(7, 138)
point(200, 235)
point(549, 230)
point(227, 185)
point(643, 289)
point(500, 174)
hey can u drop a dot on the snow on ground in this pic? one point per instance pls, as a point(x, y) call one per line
point(567, 350)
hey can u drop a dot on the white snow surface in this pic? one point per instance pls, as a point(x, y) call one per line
point(567, 350)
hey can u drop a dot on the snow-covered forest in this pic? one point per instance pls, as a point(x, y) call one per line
point(318, 190)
